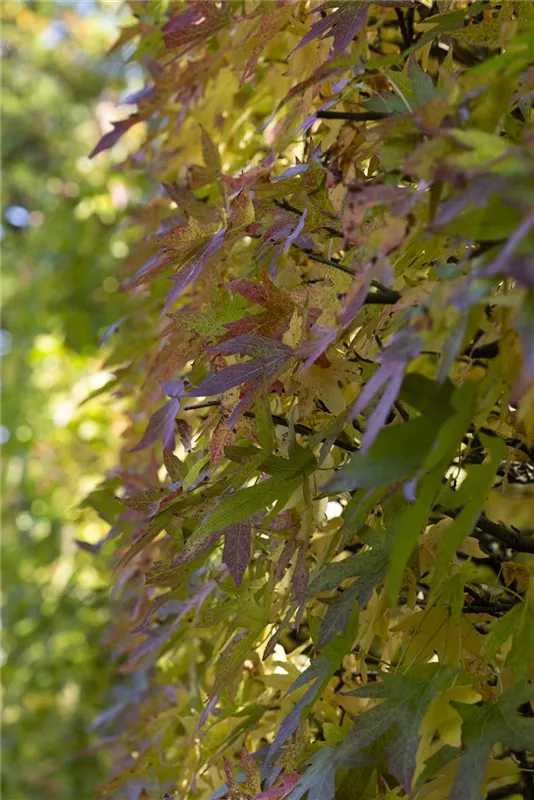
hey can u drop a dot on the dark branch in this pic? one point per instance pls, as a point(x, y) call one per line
point(515, 541)
point(356, 116)
point(512, 540)
point(504, 791)
point(406, 38)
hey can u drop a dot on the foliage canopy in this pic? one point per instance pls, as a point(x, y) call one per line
point(324, 577)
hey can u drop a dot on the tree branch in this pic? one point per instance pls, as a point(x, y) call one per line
point(356, 116)
point(512, 540)
point(504, 791)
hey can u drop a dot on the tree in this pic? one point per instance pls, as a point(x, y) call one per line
point(60, 253)
point(324, 587)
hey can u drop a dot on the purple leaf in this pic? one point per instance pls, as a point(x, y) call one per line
point(293, 236)
point(393, 374)
point(257, 370)
point(253, 345)
point(343, 25)
point(324, 336)
point(237, 548)
point(108, 333)
point(111, 138)
point(475, 195)
point(287, 782)
point(205, 714)
point(395, 358)
point(173, 388)
point(501, 262)
point(160, 426)
point(192, 269)
point(229, 378)
point(290, 724)
point(521, 268)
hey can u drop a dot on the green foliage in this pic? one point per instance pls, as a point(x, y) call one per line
point(60, 254)
point(324, 577)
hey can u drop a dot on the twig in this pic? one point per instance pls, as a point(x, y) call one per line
point(500, 792)
point(406, 38)
point(331, 263)
point(514, 541)
point(527, 778)
point(356, 116)
point(492, 609)
point(288, 207)
point(204, 404)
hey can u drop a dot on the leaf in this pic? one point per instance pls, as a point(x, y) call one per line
point(155, 527)
point(342, 24)
point(242, 504)
point(119, 129)
point(270, 358)
point(192, 269)
point(406, 698)
point(237, 549)
point(160, 426)
point(368, 566)
point(397, 453)
point(477, 486)
point(483, 726)
point(200, 176)
point(337, 615)
point(175, 469)
point(148, 758)
point(318, 780)
point(517, 625)
point(422, 85)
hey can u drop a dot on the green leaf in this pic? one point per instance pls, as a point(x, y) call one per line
point(245, 502)
point(476, 486)
point(518, 625)
point(369, 567)
point(484, 726)
point(406, 698)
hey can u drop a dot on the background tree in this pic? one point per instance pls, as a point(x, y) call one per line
point(61, 250)
point(324, 591)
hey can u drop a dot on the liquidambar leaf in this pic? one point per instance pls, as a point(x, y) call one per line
point(483, 727)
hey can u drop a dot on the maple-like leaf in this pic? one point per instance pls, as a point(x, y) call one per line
point(274, 321)
point(195, 24)
point(269, 357)
point(369, 568)
point(406, 698)
point(342, 24)
point(485, 726)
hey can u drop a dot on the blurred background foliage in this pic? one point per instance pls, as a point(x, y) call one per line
point(62, 247)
